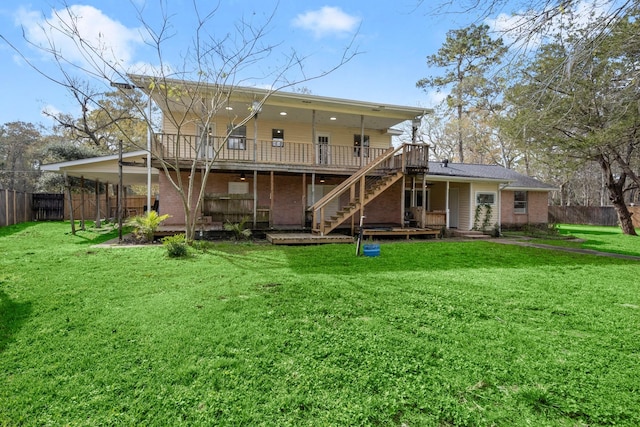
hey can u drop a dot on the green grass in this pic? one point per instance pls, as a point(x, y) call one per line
point(432, 333)
point(604, 239)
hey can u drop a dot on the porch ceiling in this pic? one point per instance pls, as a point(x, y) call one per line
point(237, 103)
point(105, 169)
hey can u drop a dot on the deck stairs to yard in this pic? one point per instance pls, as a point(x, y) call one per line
point(372, 191)
point(366, 185)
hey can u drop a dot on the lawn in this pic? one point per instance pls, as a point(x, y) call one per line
point(431, 333)
point(604, 239)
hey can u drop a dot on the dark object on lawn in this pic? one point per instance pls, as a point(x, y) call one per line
point(359, 241)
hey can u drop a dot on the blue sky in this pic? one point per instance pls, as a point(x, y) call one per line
point(393, 38)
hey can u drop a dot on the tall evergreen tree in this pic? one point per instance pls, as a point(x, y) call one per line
point(466, 56)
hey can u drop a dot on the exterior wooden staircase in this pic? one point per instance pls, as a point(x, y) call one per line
point(366, 184)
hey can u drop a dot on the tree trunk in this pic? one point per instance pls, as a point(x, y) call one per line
point(616, 196)
point(67, 185)
point(624, 216)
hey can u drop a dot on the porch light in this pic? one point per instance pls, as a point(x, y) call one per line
point(242, 177)
point(283, 113)
point(333, 118)
point(321, 179)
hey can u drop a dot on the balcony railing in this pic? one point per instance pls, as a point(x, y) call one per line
point(240, 149)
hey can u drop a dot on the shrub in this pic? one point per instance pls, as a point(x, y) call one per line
point(239, 229)
point(145, 226)
point(176, 246)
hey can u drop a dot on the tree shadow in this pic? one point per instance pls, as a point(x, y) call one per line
point(16, 228)
point(436, 256)
point(12, 316)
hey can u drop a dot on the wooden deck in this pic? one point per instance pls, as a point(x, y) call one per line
point(306, 238)
point(400, 232)
point(284, 238)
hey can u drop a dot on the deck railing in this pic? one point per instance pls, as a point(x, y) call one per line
point(219, 149)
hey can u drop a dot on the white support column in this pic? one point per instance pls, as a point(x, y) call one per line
point(447, 210)
point(149, 156)
point(361, 140)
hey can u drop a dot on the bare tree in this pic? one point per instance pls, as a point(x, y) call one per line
point(194, 91)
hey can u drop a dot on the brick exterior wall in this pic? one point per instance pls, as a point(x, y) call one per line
point(386, 209)
point(288, 201)
point(537, 209)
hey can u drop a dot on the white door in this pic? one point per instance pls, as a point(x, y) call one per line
point(323, 148)
point(454, 207)
point(204, 142)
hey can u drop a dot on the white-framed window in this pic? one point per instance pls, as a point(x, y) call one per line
point(237, 138)
point(205, 142)
point(520, 199)
point(485, 198)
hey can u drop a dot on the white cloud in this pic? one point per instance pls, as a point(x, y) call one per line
point(67, 30)
point(528, 29)
point(326, 21)
point(435, 97)
point(50, 110)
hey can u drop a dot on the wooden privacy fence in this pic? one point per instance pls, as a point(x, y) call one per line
point(15, 207)
point(48, 206)
point(590, 215)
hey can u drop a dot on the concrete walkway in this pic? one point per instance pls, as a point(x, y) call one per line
point(507, 241)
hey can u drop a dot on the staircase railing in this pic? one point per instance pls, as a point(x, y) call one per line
point(412, 156)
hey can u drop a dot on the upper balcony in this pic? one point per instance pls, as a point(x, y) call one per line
point(233, 153)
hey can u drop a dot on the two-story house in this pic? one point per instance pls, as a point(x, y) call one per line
point(295, 161)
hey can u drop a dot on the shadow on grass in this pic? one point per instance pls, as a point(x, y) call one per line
point(12, 316)
point(437, 256)
point(95, 236)
point(17, 228)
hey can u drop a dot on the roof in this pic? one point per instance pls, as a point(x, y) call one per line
point(299, 107)
point(105, 168)
point(513, 179)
